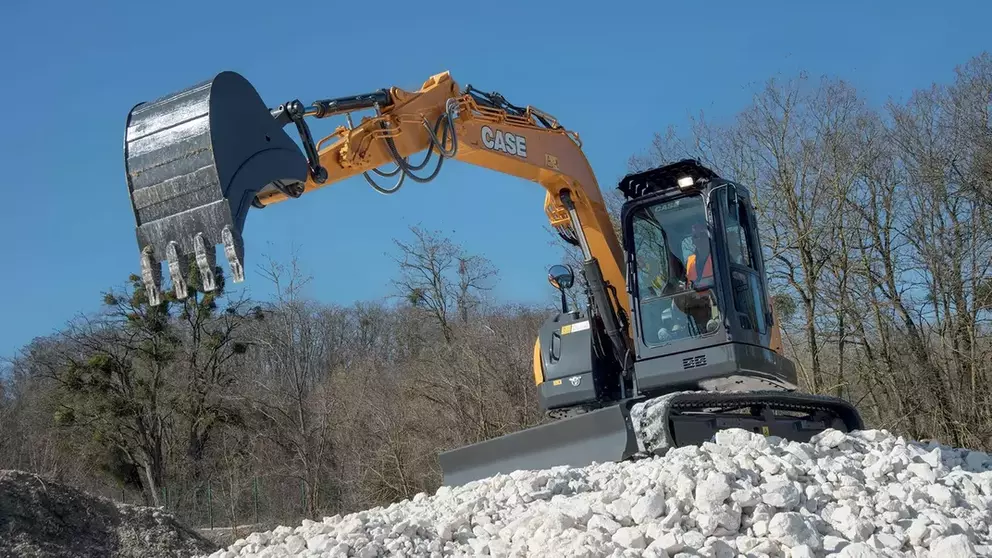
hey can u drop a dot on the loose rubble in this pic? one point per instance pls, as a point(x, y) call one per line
point(40, 518)
point(843, 495)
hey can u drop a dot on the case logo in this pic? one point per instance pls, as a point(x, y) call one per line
point(508, 143)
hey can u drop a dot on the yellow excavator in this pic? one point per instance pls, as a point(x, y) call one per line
point(678, 338)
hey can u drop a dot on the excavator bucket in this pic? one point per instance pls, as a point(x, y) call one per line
point(195, 160)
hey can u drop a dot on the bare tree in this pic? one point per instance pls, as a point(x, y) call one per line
point(436, 274)
point(294, 346)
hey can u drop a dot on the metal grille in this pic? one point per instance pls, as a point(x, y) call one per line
point(693, 362)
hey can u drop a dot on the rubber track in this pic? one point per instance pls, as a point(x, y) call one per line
point(798, 402)
point(655, 420)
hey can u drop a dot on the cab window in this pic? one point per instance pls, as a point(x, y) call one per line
point(673, 254)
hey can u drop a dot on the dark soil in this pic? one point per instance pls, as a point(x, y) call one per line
point(40, 518)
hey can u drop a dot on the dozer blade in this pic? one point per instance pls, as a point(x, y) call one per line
point(195, 160)
point(604, 435)
point(641, 427)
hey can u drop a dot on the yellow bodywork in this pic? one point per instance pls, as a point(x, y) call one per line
point(538, 369)
point(552, 157)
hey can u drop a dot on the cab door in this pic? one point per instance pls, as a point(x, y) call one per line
point(749, 300)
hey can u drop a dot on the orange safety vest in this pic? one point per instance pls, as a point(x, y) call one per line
point(691, 268)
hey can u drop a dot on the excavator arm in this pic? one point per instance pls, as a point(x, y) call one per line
point(199, 159)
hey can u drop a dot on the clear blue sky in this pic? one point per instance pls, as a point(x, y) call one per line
point(615, 72)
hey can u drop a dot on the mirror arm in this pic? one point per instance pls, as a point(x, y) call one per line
point(562, 277)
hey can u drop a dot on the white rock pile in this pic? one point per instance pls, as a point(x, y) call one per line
point(846, 495)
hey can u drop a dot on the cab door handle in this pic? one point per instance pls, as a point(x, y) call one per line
point(554, 351)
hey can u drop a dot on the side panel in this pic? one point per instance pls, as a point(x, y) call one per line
point(728, 366)
point(566, 345)
point(752, 318)
point(577, 389)
point(572, 372)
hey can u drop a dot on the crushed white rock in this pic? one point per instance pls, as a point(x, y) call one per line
point(854, 495)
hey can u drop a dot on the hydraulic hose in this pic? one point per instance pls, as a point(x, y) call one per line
point(408, 170)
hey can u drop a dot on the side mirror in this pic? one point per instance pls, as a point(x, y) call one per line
point(561, 277)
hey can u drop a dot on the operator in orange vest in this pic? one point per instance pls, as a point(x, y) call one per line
point(701, 250)
point(699, 306)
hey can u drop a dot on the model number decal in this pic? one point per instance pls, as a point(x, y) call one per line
point(508, 143)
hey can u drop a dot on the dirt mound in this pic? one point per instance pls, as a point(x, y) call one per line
point(40, 518)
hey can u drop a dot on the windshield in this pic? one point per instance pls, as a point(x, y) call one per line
point(674, 271)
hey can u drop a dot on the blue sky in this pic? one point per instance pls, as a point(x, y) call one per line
point(615, 73)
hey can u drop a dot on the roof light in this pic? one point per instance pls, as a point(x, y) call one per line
point(685, 182)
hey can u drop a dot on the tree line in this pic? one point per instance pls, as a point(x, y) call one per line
point(326, 407)
point(877, 237)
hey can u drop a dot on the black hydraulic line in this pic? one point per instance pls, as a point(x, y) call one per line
point(330, 107)
point(406, 168)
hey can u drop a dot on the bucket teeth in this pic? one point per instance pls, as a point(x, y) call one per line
point(177, 267)
point(235, 252)
point(151, 276)
point(206, 260)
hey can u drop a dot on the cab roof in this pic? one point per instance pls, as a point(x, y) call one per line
point(666, 178)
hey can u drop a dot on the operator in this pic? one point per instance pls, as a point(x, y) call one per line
point(700, 246)
point(699, 305)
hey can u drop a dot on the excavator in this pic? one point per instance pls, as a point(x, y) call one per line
point(677, 340)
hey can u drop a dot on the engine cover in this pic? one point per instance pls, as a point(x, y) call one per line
point(574, 373)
